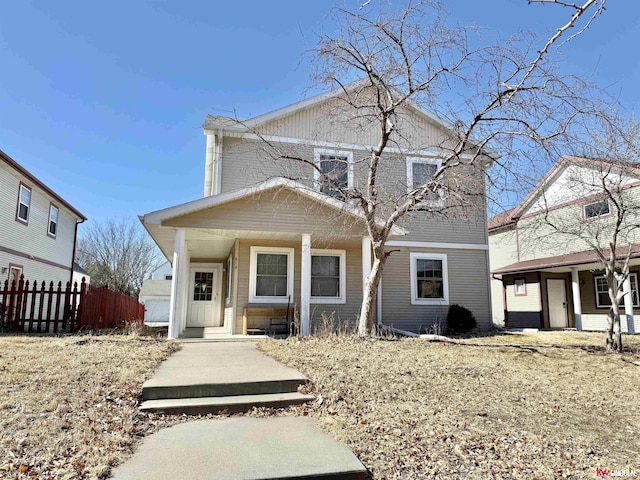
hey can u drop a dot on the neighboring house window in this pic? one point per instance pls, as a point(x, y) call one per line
point(420, 171)
point(229, 279)
point(520, 287)
point(24, 204)
point(596, 209)
point(53, 221)
point(168, 277)
point(602, 293)
point(429, 279)
point(334, 165)
point(271, 274)
point(328, 276)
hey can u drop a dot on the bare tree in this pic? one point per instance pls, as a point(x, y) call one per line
point(118, 254)
point(608, 169)
point(503, 102)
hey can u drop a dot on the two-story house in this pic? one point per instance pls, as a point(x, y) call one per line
point(37, 228)
point(267, 232)
point(545, 270)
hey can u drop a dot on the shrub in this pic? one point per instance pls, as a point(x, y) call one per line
point(460, 319)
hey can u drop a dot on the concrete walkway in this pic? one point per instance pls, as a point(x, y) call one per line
point(216, 376)
point(242, 448)
point(233, 376)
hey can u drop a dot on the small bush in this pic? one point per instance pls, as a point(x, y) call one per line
point(460, 320)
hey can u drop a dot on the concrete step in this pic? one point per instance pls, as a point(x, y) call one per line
point(232, 404)
point(200, 390)
point(244, 448)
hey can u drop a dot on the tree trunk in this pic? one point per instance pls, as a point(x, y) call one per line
point(614, 332)
point(368, 309)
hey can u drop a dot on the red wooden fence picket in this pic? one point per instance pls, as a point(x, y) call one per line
point(36, 308)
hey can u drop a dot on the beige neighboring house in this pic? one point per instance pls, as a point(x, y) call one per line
point(544, 279)
point(37, 228)
point(257, 240)
point(80, 273)
point(155, 294)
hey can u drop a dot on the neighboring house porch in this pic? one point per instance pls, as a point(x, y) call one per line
point(566, 291)
point(277, 244)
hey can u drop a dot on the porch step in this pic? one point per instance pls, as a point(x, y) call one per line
point(232, 404)
point(162, 392)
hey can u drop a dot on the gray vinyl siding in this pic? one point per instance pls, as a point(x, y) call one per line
point(328, 121)
point(343, 313)
point(245, 164)
point(468, 287)
point(283, 211)
point(32, 239)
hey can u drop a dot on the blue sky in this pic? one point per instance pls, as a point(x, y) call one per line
point(103, 101)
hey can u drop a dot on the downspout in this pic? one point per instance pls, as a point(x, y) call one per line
point(218, 164)
point(73, 256)
point(208, 165)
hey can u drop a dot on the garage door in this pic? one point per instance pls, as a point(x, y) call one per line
point(156, 311)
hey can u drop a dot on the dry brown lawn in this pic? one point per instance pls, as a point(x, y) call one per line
point(69, 406)
point(521, 406)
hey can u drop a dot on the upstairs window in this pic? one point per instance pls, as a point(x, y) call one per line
point(596, 209)
point(337, 171)
point(419, 172)
point(53, 221)
point(168, 277)
point(24, 204)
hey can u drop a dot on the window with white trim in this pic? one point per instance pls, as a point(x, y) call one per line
point(271, 274)
point(520, 287)
point(337, 171)
point(429, 279)
point(168, 277)
point(420, 171)
point(596, 209)
point(602, 291)
point(328, 276)
point(53, 221)
point(24, 204)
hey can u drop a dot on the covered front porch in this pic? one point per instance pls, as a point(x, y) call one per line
point(565, 291)
point(249, 261)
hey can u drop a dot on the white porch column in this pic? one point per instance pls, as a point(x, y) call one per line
point(305, 286)
point(175, 304)
point(366, 261)
point(628, 305)
point(184, 287)
point(577, 301)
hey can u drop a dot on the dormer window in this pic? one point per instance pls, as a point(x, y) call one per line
point(597, 209)
point(337, 171)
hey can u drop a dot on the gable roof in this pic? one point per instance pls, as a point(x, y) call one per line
point(16, 166)
point(512, 215)
point(213, 122)
point(278, 182)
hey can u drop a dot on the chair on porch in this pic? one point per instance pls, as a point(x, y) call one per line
point(281, 325)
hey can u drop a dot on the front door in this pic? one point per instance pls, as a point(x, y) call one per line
point(557, 297)
point(204, 297)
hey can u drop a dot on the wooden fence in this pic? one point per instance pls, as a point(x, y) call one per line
point(38, 308)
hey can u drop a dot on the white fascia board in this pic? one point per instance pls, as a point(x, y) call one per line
point(443, 245)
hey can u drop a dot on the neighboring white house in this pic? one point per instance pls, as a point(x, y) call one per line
point(78, 274)
point(544, 278)
point(259, 245)
point(156, 296)
point(37, 228)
